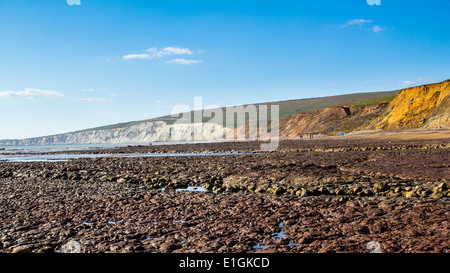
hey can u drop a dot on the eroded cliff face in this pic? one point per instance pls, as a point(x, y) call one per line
point(331, 120)
point(426, 106)
point(313, 122)
point(328, 121)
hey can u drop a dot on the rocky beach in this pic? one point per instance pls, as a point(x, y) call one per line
point(224, 135)
point(329, 194)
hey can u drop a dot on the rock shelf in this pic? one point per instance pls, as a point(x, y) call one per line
point(321, 196)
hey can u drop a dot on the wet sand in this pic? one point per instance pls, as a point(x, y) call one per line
point(321, 195)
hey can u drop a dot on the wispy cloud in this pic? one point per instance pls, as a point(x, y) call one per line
point(175, 51)
point(356, 22)
point(95, 99)
point(136, 56)
point(184, 61)
point(416, 81)
point(88, 90)
point(362, 22)
point(154, 52)
point(406, 83)
point(30, 94)
point(378, 29)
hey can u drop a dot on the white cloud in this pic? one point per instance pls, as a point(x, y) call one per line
point(154, 52)
point(88, 90)
point(30, 94)
point(176, 51)
point(416, 81)
point(356, 22)
point(136, 56)
point(159, 53)
point(406, 83)
point(95, 99)
point(159, 101)
point(378, 29)
point(360, 22)
point(184, 61)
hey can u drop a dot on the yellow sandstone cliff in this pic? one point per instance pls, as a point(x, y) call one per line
point(426, 106)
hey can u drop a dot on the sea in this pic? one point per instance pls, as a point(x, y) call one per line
point(36, 153)
point(76, 147)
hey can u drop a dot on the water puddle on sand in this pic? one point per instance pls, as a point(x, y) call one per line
point(153, 238)
point(113, 223)
point(279, 234)
point(190, 188)
point(258, 247)
point(276, 235)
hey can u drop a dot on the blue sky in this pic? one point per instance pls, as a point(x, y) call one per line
point(65, 68)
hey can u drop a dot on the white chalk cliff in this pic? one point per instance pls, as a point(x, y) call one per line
point(142, 132)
